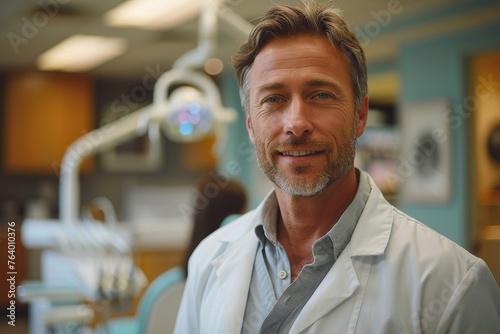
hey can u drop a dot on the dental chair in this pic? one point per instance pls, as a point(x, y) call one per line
point(157, 310)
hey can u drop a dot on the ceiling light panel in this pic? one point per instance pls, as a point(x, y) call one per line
point(81, 53)
point(154, 14)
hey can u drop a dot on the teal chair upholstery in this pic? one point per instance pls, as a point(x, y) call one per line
point(157, 309)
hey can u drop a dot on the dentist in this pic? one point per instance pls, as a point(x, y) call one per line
point(324, 252)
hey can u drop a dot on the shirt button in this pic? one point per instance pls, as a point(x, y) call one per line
point(282, 274)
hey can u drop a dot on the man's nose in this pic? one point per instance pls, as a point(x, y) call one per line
point(298, 118)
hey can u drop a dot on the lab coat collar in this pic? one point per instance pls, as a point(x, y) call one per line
point(368, 239)
point(374, 226)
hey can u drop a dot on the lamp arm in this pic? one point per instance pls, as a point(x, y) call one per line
point(95, 141)
point(240, 28)
point(207, 34)
point(207, 40)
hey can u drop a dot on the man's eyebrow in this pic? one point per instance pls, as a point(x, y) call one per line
point(324, 83)
point(312, 83)
point(270, 86)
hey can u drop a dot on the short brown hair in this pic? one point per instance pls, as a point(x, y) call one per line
point(283, 21)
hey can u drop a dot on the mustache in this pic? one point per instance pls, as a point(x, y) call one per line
point(292, 143)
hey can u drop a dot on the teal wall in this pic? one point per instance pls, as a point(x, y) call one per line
point(438, 68)
point(238, 159)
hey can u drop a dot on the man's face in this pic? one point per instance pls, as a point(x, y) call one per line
point(301, 116)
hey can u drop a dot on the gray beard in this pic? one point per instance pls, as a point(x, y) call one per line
point(307, 187)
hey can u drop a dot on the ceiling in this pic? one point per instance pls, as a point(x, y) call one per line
point(35, 29)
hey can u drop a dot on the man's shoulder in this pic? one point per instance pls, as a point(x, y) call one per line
point(428, 246)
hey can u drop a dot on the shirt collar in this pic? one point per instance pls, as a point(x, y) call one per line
point(341, 232)
point(266, 227)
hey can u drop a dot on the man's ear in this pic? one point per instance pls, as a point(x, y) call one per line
point(362, 116)
point(248, 122)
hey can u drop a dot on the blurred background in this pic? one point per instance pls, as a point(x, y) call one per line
point(432, 142)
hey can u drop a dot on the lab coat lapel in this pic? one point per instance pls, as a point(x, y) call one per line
point(342, 283)
point(349, 275)
point(234, 271)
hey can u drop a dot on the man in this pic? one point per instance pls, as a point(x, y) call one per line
point(324, 252)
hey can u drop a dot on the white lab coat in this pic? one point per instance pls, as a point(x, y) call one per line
point(395, 276)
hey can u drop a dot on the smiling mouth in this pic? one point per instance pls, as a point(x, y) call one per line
point(298, 153)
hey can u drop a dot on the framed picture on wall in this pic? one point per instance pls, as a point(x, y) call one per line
point(425, 163)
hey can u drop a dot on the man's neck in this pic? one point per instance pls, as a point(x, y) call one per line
point(303, 220)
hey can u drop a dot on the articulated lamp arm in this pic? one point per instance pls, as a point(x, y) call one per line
point(98, 140)
point(161, 114)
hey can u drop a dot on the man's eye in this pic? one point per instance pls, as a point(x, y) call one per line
point(272, 99)
point(323, 96)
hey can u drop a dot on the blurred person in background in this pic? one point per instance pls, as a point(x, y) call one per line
point(217, 198)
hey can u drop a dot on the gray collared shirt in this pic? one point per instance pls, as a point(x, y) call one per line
point(274, 302)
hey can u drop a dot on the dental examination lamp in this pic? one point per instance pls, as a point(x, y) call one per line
point(190, 112)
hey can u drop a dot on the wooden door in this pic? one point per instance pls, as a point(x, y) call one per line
point(483, 104)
